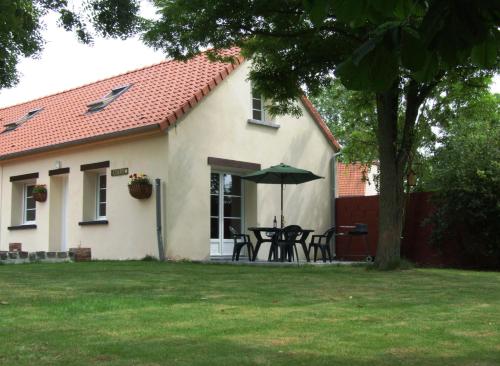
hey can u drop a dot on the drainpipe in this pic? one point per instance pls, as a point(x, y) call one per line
point(161, 250)
point(333, 196)
point(1, 201)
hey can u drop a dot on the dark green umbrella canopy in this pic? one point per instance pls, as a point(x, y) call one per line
point(281, 174)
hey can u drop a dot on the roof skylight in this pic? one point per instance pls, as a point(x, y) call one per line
point(102, 103)
point(13, 125)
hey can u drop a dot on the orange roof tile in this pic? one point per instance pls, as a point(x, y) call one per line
point(322, 125)
point(350, 180)
point(158, 96)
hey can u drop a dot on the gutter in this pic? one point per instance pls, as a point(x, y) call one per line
point(1, 203)
point(128, 132)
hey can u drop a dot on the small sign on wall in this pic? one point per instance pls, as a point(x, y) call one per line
point(120, 171)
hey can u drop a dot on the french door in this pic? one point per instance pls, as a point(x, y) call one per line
point(226, 209)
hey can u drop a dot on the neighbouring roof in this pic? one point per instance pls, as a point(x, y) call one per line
point(157, 97)
point(350, 180)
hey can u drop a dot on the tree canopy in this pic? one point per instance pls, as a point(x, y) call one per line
point(453, 104)
point(368, 44)
point(465, 174)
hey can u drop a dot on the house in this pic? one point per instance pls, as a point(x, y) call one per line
point(356, 179)
point(193, 125)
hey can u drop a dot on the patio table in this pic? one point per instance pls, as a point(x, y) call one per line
point(302, 242)
point(257, 231)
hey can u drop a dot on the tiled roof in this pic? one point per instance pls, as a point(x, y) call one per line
point(158, 96)
point(350, 180)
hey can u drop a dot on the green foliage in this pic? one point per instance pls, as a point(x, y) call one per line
point(19, 35)
point(20, 29)
point(301, 43)
point(115, 18)
point(352, 118)
point(466, 177)
point(40, 188)
point(138, 178)
point(462, 98)
point(456, 109)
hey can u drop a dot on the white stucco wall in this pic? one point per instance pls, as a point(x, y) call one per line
point(371, 187)
point(131, 232)
point(216, 127)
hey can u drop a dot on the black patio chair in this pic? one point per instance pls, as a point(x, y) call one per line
point(322, 242)
point(240, 241)
point(285, 241)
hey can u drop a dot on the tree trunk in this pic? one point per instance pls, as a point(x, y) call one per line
point(393, 160)
point(391, 181)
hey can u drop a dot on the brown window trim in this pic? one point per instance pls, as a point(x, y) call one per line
point(16, 178)
point(102, 164)
point(22, 227)
point(58, 171)
point(235, 164)
point(93, 222)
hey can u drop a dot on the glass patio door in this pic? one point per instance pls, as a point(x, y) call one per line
point(226, 209)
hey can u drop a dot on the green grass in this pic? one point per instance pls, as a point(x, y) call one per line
point(150, 313)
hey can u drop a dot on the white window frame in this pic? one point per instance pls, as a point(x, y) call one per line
point(25, 220)
point(262, 109)
point(98, 197)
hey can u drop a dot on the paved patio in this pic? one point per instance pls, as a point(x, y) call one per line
point(244, 261)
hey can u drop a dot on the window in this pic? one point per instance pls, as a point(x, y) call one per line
point(258, 112)
point(101, 197)
point(23, 205)
point(29, 205)
point(95, 193)
point(13, 125)
point(107, 99)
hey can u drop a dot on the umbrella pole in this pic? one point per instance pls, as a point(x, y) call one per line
point(282, 218)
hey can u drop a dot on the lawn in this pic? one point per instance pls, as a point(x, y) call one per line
point(149, 313)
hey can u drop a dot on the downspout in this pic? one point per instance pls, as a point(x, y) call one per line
point(1, 202)
point(333, 196)
point(161, 249)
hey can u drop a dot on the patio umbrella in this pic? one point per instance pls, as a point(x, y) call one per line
point(281, 174)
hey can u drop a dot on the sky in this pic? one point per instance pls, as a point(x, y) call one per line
point(65, 63)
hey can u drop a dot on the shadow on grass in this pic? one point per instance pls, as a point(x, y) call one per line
point(224, 351)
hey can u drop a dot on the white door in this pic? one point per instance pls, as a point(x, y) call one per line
point(226, 209)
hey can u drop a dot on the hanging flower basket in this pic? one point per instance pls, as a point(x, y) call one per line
point(40, 193)
point(140, 186)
